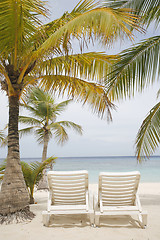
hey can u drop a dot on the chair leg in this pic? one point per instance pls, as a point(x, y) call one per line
point(46, 218)
point(92, 218)
point(143, 219)
point(97, 216)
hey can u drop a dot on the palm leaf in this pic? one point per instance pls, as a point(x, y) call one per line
point(93, 94)
point(60, 133)
point(60, 107)
point(2, 136)
point(39, 134)
point(135, 69)
point(38, 167)
point(2, 169)
point(148, 137)
point(33, 172)
point(18, 22)
point(41, 104)
point(26, 131)
point(29, 120)
point(91, 65)
point(37, 110)
point(148, 9)
point(27, 173)
point(103, 24)
point(47, 29)
point(67, 124)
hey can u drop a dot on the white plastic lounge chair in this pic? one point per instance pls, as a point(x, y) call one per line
point(117, 195)
point(68, 194)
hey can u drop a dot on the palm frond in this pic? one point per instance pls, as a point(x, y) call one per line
point(4, 142)
point(38, 167)
point(18, 22)
point(39, 133)
point(32, 109)
point(148, 137)
point(47, 29)
point(2, 169)
point(25, 131)
point(103, 24)
point(93, 94)
point(60, 133)
point(3, 139)
point(27, 173)
point(91, 65)
point(29, 120)
point(158, 93)
point(37, 109)
point(60, 107)
point(41, 104)
point(68, 124)
point(135, 69)
point(33, 172)
point(115, 4)
point(148, 9)
point(2, 136)
point(84, 6)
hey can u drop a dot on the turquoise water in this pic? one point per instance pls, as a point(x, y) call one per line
point(150, 169)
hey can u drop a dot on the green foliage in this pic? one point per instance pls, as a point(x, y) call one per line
point(41, 105)
point(148, 137)
point(32, 52)
point(149, 10)
point(32, 173)
point(135, 69)
point(2, 169)
point(2, 136)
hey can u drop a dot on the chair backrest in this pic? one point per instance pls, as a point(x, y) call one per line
point(118, 188)
point(68, 187)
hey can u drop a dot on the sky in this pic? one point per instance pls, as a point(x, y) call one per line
point(99, 138)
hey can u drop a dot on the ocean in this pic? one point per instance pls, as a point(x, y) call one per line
point(150, 169)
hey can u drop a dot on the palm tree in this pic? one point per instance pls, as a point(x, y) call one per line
point(32, 52)
point(43, 123)
point(135, 69)
point(33, 173)
point(44, 111)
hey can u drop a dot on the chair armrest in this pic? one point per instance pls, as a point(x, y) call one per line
point(49, 201)
point(87, 200)
point(138, 203)
point(101, 204)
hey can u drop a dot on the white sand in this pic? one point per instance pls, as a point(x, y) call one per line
point(71, 229)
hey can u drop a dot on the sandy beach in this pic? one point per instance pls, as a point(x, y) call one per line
point(123, 228)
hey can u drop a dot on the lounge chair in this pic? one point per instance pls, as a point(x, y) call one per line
point(117, 195)
point(68, 194)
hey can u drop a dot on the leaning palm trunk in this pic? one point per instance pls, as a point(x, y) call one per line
point(14, 195)
point(43, 182)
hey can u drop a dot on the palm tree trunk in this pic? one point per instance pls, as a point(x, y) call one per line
point(45, 147)
point(43, 182)
point(14, 195)
point(31, 196)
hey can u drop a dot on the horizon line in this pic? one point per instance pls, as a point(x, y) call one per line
point(90, 156)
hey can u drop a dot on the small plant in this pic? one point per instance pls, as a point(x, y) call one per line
point(32, 173)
